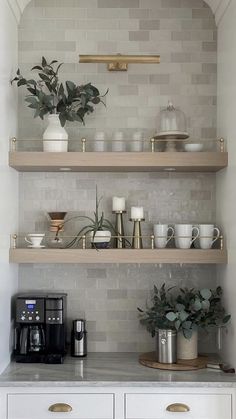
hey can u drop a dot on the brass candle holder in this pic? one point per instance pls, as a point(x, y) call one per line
point(137, 242)
point(119, 240)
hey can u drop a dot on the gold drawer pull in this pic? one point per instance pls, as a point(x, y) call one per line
point(60, 407)
point(178, 407)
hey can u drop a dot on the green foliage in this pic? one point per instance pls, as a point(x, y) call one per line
point(186, 310)
point(47, 95)
point(156, 316)
point(98, 223)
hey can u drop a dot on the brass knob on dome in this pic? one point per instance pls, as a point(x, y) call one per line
point(178, 407)
point(60, 408)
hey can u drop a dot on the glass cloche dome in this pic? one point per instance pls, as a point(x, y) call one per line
point(171, 123)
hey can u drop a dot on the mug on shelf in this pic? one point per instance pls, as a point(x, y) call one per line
point(161, 235)
point(207, 238)
point(99, 142)
point(136, 144)
point(35, 239)
point(118, 143)
point(184, 235)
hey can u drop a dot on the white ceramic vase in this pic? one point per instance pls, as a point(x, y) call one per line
point(56, 134)
point(187, 348)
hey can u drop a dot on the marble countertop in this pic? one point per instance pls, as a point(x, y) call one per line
point(108, 369)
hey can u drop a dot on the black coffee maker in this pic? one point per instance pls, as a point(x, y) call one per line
point(40, 333)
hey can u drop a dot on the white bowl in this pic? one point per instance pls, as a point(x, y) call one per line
point(193, 147)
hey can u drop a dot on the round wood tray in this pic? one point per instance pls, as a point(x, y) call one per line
point(149, 360)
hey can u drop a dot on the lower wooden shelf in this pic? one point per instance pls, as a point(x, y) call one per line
point(189, 256)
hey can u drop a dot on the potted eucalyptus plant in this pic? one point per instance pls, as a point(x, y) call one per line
point(186, 311)
point(48, 96)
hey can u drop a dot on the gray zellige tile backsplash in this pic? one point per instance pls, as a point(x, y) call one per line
point(184, 33)
point(108, 296)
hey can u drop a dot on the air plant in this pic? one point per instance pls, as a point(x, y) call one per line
point(98, 223)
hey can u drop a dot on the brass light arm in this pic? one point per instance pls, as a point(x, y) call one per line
point(119, 62)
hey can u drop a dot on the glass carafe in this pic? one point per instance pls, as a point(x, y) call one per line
point(36, 338)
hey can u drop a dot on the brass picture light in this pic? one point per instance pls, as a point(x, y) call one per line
point(120, 62)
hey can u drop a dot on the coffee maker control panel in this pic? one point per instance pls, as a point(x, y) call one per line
point(30, 310)
point(54, 317)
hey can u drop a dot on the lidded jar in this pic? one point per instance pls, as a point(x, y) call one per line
point(171, 123)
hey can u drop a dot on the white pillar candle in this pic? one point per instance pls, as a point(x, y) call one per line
point(118, 204)
point(137, 213)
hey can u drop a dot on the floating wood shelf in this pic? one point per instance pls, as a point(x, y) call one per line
point(118, 162)
point(212, 256)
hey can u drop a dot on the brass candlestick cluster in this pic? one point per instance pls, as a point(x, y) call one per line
point(118, 207)
point(120, 241)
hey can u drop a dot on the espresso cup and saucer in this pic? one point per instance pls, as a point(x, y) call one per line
point(35, 240)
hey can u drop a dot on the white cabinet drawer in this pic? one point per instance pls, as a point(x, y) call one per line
point(84, 406)
point(153, 406)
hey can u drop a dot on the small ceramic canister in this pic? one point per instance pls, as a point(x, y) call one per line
point(136, 144)
point(118, 143)
point(99, 142)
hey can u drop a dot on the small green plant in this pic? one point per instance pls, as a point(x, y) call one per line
point(184, 309)
point(155, 316)
point(98, 223)
point(47, 95)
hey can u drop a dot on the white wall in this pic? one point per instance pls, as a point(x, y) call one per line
point(9, 179)
point(226, 181)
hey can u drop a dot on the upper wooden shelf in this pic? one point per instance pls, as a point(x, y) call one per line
point(118, 162)
point(147, 256)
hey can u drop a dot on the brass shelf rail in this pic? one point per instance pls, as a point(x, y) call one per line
point(220, 143)
point(85, 239)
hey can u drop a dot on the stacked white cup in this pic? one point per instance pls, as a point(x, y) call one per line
point(137, 143)
point(118, 143)
point(99, 141)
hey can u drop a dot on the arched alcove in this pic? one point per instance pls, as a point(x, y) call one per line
point(185, 38)
point(218, 6)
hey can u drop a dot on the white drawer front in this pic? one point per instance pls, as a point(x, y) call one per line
point(153, 406)
point(84, 406)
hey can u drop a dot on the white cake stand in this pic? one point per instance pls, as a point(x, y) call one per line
point(171, 137)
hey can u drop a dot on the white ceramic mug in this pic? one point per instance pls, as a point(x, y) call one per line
point(161, 235)
point(99, 142)
point(136, 144)
point(207, 232)
point(118, 143)
point(35, 239)
point(184, 235)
